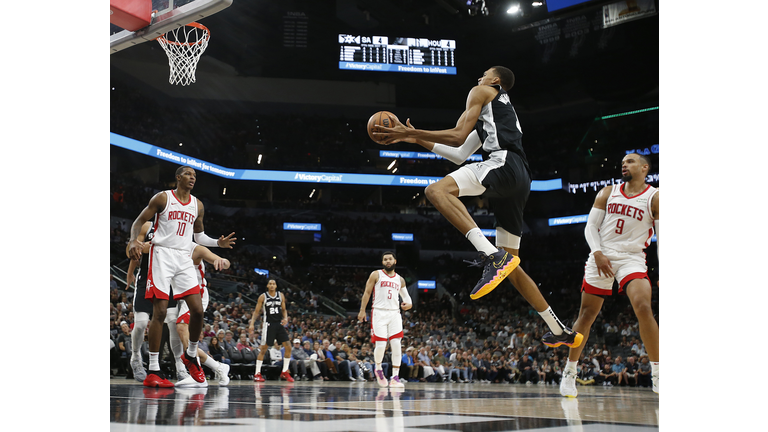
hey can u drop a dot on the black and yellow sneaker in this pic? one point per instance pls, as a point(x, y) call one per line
point(496, 267)
point(568, 337)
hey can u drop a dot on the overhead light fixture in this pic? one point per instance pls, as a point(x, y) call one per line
point(514, 8)
point(312, 193)
point(394, 170)
point(537, 4)
point(258, 162)
point(391, 165)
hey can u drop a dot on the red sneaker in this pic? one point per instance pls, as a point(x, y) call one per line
point(258, 378)
point(193, 366)
point(156, 379)
point(286, 376)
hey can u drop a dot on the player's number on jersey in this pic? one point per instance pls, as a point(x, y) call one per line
point(273, 310)
point(389, 294)
point(180, 230)
point(619, 226)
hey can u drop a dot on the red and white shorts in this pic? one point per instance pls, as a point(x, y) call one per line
point(626, 267)
point(183, 308)
point(168, 266)
point(386, 325)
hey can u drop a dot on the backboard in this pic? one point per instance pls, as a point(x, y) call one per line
point(170, 14)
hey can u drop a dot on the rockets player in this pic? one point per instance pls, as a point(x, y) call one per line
point(200, 254)
point(386, 323)
point(177, 217)
point(619, 228)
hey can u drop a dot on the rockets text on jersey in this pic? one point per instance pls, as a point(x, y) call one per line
point(174, 226)
point(386, 292)
point(628, 222)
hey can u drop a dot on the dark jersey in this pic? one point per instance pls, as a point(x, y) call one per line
point(273, 308)
point(143, 267)
point(499, 128)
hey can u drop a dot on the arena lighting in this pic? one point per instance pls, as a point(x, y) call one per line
point(294, 176)
point(514, 8)
point(258, 162)
point(311, 193)
point(537, 4)
point(394, 170)
point(626, 113)
point(391, 165)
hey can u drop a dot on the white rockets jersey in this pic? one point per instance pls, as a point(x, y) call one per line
point(628, 222)
point(386, 292)
point(174, 226)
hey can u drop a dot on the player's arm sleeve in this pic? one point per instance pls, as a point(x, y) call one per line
point(592, 231)
point(459, 154)
point(404, 294)
point(204, 240)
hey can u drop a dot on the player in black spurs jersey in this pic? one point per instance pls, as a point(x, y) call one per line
point(490, 122)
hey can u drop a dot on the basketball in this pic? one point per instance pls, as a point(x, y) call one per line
point(382, 118)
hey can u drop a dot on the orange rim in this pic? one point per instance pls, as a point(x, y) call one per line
point(207, 35)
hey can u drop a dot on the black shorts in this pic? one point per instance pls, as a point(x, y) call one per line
point(507, 185)
point(142, 304)
point(274, 331)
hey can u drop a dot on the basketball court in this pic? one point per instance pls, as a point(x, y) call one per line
point(314, 406)
point(310, 406)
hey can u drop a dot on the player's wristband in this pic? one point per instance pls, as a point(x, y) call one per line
point(204, 240)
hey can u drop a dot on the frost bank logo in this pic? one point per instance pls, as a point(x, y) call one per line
point(318, 178)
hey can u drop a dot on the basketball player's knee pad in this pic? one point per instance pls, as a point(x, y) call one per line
point(171, 315)
point(140, 317)
point(506, 239)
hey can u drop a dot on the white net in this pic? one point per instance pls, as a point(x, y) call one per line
point(184, 46)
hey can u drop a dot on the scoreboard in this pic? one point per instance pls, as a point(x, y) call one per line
point(385, 54)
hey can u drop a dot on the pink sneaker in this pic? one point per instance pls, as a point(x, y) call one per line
point(380, 378)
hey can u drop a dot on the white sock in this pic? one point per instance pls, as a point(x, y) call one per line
point(655, 368)
point(395, 371)
point(571, 365)
point(480, 242)
point(286, 363)
point(211, 363)
point(258, 366)
point(551, 319)
point(192, 349)
point(154, 361)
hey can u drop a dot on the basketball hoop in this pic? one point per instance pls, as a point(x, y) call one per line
point(184, 46)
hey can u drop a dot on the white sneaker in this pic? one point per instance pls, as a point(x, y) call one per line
point(138, 370)
point(222, 374)
point(381, 379)
point(655, 380)
point(395, 382)
point(568, 384)
point(181, 371)
point(190, 382)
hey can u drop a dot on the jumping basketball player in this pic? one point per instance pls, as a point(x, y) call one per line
point(200, 254)
point(272, 304)
point(387, 287)
point(490, 122)
point(143, 309)
point(619, 227)
point(177, 217)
